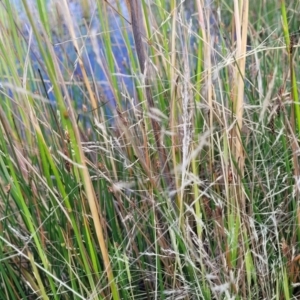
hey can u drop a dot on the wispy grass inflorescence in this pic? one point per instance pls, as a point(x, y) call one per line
point(149, 150)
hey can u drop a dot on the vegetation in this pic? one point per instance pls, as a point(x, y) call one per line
point(186, 187)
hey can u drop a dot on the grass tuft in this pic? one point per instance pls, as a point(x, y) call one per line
point(149, 150)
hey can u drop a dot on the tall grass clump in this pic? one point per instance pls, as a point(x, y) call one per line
point(149, 150)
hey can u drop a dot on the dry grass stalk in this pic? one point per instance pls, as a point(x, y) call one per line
point(241, 22)
point(137, 25)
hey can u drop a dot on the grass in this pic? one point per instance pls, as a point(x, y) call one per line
point(186, 187)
